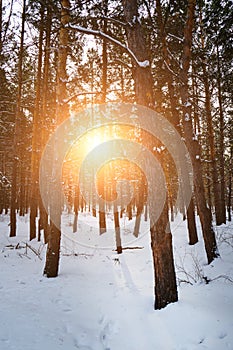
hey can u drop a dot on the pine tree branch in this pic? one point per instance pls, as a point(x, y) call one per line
point(100, 34)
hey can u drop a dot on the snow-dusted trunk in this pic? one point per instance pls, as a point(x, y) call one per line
point(143, 81)
point(161, 238)
point(53, 249)
point(192, 143)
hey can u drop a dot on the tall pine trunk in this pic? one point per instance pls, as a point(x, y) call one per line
point(54, 239)
point(221, 142)
point(192, 143)
point(43, 222)
point(230, 178)
point(175, 119)
point(36, 136)
point(17, 130)
point(211, 138)
point(161, 239)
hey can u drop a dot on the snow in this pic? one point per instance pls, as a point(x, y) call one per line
point(102, 300)
point(187, 104)
point(144, 64)
point(186, 117)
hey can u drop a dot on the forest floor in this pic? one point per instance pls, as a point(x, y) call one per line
point(104, 301)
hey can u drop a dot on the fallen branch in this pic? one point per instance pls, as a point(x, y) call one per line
point(77, 254)
point(124, 248)
point(184, 281)
point(221, 276)
point(17, 246)
point(36, 252)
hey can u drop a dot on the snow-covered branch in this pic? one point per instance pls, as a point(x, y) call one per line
point(170, 70)
point(103, 35)
point(175, 37)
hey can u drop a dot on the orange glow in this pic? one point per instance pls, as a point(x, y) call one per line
point(116, 170)
point(109, 174)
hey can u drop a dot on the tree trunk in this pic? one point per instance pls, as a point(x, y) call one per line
point(44, 112)
point(17, 131)
point(0, 28)
point(102, 213)
point(164, 271)
point(221, 145)
point(161, 241)
point(192, 228)
point(214, 172)
point(143, 80)
point(76, 207)
point(192, 144)
point(139, 206)
point(229, 200)
point(53, 249)
point(175, 118)
point(104, 54)
point(211, 135)
point(117, 230)
point(36, 137)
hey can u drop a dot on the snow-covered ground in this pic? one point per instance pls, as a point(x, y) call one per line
point(103, 301)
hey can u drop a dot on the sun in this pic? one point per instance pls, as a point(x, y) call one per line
point(95, 141)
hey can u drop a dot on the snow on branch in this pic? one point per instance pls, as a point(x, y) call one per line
point(175, 37)
point(103, 35)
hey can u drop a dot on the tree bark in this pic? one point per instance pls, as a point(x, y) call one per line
point(164, 271)
point(117, 230)
point(143, 80)
point(76, 208)
point(161, 240)
point(17, 130)
point(44, 112)
point(192, 144)
point(104, 54)
point(175, 118)
point(229, 199)
point(214, 172)
point(0, 28)
point(53, 249)
point(221, 141)
point(192, 228)
point(36, 136)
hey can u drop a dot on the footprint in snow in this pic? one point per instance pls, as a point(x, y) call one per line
point(80, 346)
point(108, 330)
point(222, 335)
